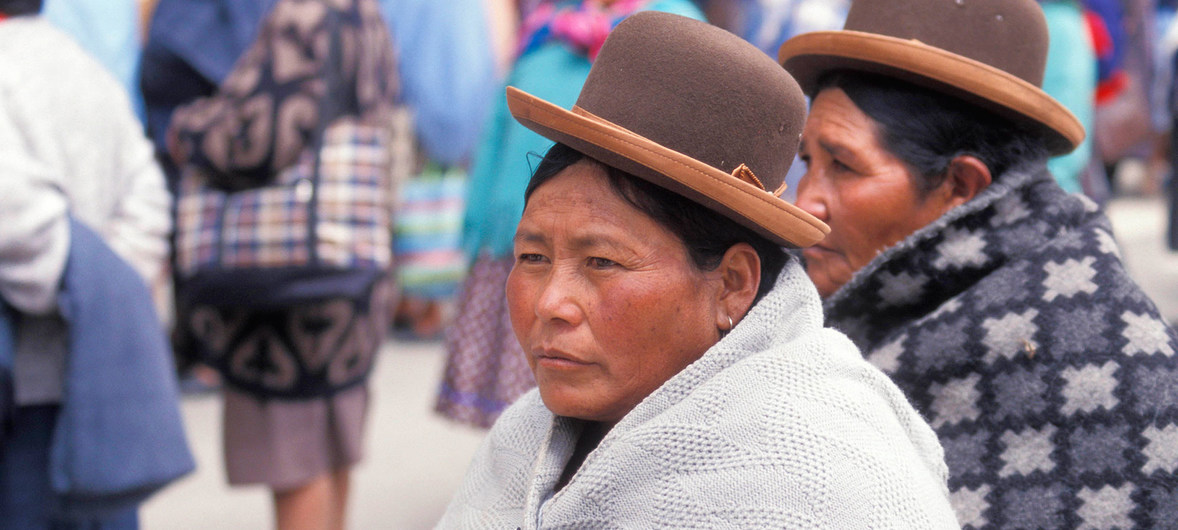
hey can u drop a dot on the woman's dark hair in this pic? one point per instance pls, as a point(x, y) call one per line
point(706, 234)
point(927, 129)
point(16, 8)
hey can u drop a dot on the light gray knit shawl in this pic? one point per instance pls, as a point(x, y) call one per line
point(781, 424)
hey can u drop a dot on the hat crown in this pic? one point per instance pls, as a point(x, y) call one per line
point(1010, 35)
point(698, 90)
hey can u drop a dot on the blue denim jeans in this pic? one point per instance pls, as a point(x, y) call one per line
point(26, 500)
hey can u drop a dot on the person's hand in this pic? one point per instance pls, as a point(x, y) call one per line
point(176, 148)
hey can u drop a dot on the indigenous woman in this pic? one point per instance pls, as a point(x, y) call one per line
point(994, 299)
point(685, 379)
point(485, 369)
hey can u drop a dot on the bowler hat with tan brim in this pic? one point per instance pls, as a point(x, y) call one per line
point(694, 109)
point(991, 53)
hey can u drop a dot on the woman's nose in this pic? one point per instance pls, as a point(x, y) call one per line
point(811, 199)
point(557, 300)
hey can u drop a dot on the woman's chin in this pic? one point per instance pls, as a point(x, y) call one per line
point(560, 399)
point(821, 279)
point(826, 270)
point(563, 401)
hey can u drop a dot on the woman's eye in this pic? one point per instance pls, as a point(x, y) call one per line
point(839, 166)
point(601, 263)
point(530, 258)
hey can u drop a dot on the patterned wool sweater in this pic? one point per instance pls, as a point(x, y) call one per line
point(781, 424)
point(1048, 375)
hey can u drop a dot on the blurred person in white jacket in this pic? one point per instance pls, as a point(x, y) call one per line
point(70, 145)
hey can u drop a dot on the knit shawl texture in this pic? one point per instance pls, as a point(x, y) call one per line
point(781, 424)
point(1049, 376)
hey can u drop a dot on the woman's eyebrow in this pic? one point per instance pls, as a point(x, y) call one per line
point(579, 242)
point(592, 241)
point(837, 149)
point(529, 236)
point(833, 148)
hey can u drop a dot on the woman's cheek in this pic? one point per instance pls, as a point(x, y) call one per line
point(519, 305)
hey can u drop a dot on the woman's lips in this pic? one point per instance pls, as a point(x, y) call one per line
point(558, 359)
point(817, 251)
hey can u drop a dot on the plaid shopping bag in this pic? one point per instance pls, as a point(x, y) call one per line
point(308, 235)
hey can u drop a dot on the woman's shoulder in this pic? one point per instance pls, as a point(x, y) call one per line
point(808, 426)
point(814, 386)
point(825, 367)
point(490, 495)
point(820, 386)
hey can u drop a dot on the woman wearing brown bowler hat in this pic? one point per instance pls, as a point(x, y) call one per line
point(995, 300)
point(685, 379)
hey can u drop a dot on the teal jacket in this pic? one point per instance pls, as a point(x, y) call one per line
point(509, 152)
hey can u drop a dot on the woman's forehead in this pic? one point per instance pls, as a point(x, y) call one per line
point(580, 207)
point(584, 184)
point(835, 120)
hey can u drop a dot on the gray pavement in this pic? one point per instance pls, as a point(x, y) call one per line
point(1139, 224)
point(415, 459)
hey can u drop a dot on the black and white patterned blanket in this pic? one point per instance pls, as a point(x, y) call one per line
point(1049, 376)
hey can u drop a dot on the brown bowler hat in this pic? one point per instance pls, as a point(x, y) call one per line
point(989, 52)
point(692, 108)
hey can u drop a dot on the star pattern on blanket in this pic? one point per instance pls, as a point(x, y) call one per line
point(1069, 278)
point(1010, 334)
point(1162, 449)
point(1089, 387)
point(1107, 507)
point(955, 401)
point(1146, 335)
point(887, 358)
point(975, 501)
point(1027, 451)
point(961, 249)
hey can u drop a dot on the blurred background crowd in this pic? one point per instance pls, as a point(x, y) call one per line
point(460, 163)
point(1111, 62)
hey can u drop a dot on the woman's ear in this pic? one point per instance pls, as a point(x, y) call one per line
point(740, 276)
point(967, 176)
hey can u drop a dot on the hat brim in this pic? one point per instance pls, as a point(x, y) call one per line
point(810, 55)
point(606, 142)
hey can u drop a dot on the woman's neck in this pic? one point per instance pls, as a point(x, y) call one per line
point(591, 435)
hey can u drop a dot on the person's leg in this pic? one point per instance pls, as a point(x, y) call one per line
point(341, 482)
point(306, 507)
point(25, 494)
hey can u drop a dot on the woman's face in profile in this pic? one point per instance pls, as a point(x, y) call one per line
point(604, 301)
point(862, 191)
